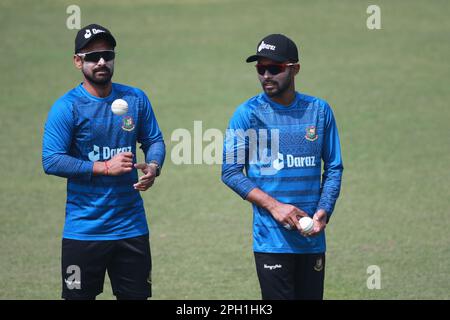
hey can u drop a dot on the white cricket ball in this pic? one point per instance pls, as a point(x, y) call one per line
point(307, 224)
point(119, 107)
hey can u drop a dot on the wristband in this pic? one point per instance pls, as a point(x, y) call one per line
point(106, 168)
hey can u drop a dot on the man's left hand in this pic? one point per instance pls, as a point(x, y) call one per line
point(147, 180)
point(320, 222)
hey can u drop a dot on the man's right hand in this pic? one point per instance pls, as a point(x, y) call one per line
point(287, 215)
point(120, 164)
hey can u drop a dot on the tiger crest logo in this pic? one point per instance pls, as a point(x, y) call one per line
point(319, 265)
point(311, 133)
point(128, 123)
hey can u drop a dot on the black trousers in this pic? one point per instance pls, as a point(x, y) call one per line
point(127, 261)
point(285, 276)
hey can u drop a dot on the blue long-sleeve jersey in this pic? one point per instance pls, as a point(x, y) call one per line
point(282, 149)
point(82, 129)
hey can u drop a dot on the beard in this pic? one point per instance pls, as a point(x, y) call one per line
point(276, 88)
point(96, 77)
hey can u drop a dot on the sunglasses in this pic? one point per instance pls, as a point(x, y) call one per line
point(95, 56)
point(273, 68)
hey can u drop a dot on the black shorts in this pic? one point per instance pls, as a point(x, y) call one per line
point(285, 276)
point(128, 262)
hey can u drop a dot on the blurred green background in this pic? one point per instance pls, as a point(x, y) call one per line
point(389, 90)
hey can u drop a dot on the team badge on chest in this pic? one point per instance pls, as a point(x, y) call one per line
point(128, 123)
point(311, 133)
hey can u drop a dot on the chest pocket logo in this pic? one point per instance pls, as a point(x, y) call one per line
point(128, 123)
point(311, 133)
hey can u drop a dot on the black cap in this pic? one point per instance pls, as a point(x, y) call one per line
point(276, 47)
point(92, 32)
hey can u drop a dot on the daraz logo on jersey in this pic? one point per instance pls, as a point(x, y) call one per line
point(105, 153)
point(291, 161)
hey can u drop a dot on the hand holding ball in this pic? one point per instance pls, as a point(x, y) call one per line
point(307, 224)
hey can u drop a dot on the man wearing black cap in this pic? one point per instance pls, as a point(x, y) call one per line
point(90, 138)
point(281, 137)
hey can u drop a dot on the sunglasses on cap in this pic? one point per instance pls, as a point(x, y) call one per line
point(95, 56)
point(273, 68)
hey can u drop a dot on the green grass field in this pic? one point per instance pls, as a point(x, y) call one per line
point(390, 93)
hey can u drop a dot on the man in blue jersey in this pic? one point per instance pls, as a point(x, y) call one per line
point(281, 137)
point(94, 146)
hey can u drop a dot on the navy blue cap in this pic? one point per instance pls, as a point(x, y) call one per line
point(92, 32)
point(276, 47)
